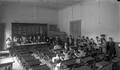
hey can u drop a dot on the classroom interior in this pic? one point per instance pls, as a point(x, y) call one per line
point(59, 34)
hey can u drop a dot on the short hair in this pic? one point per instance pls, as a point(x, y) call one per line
point(103, 35)
point(97, 37)
point(111, 38)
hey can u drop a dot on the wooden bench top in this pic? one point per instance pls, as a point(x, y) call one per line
point(6, 61)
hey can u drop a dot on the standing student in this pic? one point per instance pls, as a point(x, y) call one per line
point(98, 42)
point(103, 43)
point(70, 40)
point(111, 48)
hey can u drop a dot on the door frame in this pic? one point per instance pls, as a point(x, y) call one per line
point(75, 28)
point(2, 25)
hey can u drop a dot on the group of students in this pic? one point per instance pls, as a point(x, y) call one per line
point(83, 43)
point(83, 46)
point(33, 38)
point(89, 44)
point(36, 38)
point(86, 44)
point(72, 48)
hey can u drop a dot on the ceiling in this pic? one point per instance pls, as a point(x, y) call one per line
point(55, 4)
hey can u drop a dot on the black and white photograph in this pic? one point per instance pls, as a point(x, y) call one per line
point(59, 34)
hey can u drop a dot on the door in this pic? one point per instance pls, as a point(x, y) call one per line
point(2, 29)
point(75, 28)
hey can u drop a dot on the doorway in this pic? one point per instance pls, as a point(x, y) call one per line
point(75, 28)
point(2, 36)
